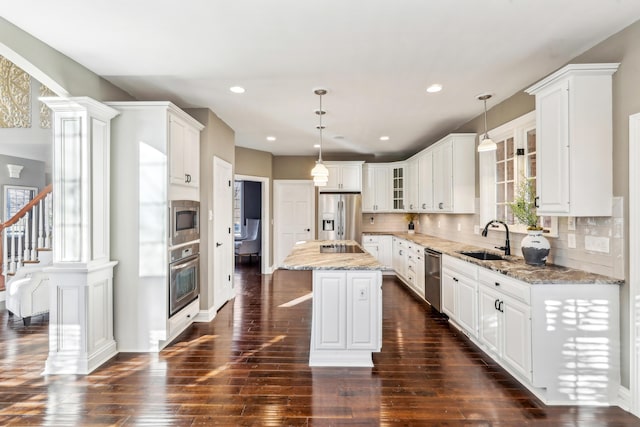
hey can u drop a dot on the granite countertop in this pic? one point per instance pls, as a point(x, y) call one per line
point(512, 266)
point(307, 256)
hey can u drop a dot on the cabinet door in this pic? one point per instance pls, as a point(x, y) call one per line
point(420, 272)
point(411, 199)
point(351, 178)
point(425, 181)
point(442, 177)
point(552, 162)
point(333, 184)
point(382, 182)
point(192, 156)
point(517, 335)
point(385, 251)
point(369, 189)
point(449, 294)
point(372, 248)
point(489, 319)
point(467, 304)
point(397, 198)
point(399, 257)
point(177, 131)
point(362, 310)
point(329, 309)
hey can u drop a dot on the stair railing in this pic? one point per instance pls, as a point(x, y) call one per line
point(26, 233)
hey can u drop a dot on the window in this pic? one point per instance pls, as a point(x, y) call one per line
point(502, 170)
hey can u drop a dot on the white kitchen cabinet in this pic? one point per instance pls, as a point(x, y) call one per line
point(399, 257)
point(453, 167)
point(398, 179)
point(412, 185)
point(459, 293)
point(414, 260)
point(574, 164)
point(380, 246)
point(343, 176)
point(505, 321)
point(425, 181)
point(142, 140)
point(184, 158)
point(377, 188)
point(347, 317)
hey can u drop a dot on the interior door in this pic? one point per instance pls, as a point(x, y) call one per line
point(294, 204)
point(222, 242)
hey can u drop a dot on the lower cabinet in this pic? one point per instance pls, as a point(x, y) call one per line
point(399, 257)
point(560, 340)
point(505, 328)
point(380, 246)
point(347, 317)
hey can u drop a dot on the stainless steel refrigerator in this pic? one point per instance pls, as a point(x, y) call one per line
point(339, 216)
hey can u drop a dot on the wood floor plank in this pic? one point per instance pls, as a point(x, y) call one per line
point(249, 367)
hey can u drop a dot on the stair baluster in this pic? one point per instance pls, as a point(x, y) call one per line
point(40, 225)
point(12, 266)
point(47, 222)
point(34, 248)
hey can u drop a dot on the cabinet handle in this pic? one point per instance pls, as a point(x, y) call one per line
point(424, 206)
point(440, 205)
point(497, 283)
point(455, 280)
point(535, 201)
point(307, 229)
point(500, 307)
point(400, 252)
point(495, 304)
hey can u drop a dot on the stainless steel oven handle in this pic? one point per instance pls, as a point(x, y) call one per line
point(185, 263)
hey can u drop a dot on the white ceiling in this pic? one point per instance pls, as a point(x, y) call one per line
point(375, 58)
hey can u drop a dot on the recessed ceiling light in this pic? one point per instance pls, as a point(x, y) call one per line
point(384, 138)
point(434, 88)
point(271, 138)
point(316, 145)
point(338, 137)
point(236, 89)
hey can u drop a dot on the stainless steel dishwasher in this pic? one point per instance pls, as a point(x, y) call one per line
point(432, 285)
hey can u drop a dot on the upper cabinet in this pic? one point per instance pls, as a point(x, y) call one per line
point(454, 173)
point(167, 140)
point(574, 146)
point(411, 202)
point(343, 176)
point(184, 159)
point(377, 188)
point(399, 180)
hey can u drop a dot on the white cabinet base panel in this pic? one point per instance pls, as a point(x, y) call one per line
point(345, 358)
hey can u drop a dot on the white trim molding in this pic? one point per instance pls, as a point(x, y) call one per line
point(265, 266)
point(634, 260)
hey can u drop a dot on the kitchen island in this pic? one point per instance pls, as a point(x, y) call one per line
point(346, 325)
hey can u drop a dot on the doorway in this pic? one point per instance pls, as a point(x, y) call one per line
point(251, 201)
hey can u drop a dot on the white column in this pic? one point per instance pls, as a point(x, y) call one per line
point(81, 295)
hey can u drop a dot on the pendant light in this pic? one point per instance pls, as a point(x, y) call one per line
point(320, 173)
point(486, 144)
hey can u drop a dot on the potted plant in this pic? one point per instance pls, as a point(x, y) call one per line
point(410, 217)
point(535, 247)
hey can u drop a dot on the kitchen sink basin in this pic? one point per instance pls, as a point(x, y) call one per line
point(483, 255)
point(340, 248)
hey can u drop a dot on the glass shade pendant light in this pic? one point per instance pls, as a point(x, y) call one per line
point(486, 144)
point(320, 173)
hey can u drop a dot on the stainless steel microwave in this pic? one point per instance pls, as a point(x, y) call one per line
point(184, 221)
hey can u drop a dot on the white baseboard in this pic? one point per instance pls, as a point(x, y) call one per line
point(624, 398)
point(205, 316)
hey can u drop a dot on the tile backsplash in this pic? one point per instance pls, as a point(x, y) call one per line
point(596, 244)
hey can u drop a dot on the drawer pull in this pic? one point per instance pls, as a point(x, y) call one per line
point(497, 283)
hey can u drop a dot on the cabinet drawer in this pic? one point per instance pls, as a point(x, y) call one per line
point(460, 266)
point(368, 238)
point(184, 317)
point(505, 285)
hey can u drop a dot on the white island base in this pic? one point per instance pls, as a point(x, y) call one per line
point(346, 323)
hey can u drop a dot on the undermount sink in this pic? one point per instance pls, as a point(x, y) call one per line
point(340, 248)
point(483, 255)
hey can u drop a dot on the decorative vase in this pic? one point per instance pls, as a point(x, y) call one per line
point(411, 228)
point(535, 248)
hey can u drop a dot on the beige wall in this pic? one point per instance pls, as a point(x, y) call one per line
point(293, 167)
point(216, 139)
point(73, 77)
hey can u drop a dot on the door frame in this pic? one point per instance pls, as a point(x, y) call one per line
point(265, 260)
point(634, 268)
point(276, 227)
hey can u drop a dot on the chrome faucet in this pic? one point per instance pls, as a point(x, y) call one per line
point(507, 246)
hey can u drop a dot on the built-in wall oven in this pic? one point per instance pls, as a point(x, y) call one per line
point(184, 224)
point(184, 273)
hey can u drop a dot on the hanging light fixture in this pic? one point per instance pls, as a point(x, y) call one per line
point(486, 144)
point(320, 173)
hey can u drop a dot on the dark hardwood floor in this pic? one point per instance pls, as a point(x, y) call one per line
point(248, 367)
